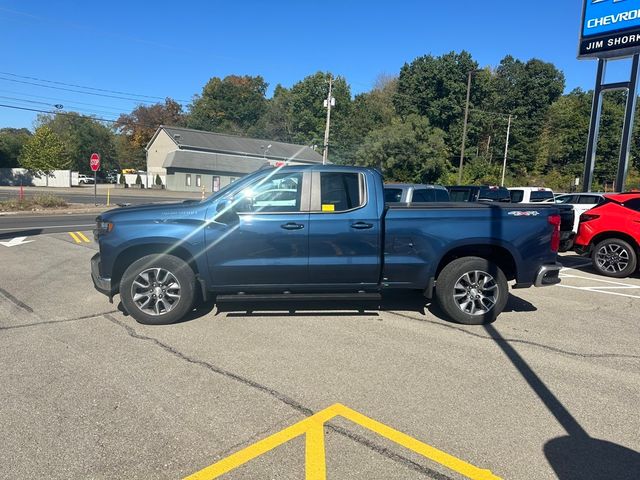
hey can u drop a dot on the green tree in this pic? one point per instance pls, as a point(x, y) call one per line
point(82, 136)
point(527, 90)
point(307, 114)
point(234, 104)
point(11, 142)
point(44, 152)
point(408, 150)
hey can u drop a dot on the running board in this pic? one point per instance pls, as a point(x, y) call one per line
point(297, 297)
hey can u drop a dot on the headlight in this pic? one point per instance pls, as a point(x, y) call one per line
point(102, 228)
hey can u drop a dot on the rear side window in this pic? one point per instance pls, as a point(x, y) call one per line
point(340, 191)
point(588, 199)
point(633, 204)
point(459, 195)
point(424, 195)
point(540, 196)
point(516, 195)
point(392, 195)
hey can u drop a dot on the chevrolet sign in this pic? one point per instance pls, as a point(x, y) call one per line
point(610, 28)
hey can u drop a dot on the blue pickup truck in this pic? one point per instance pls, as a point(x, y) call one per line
point(321, 232)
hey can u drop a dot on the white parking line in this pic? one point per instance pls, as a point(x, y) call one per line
point(599, 280)
point(594, 289)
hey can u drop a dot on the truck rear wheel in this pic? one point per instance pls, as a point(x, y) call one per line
point(158, 289)
point(472, 291)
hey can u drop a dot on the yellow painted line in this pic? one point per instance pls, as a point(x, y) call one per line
point(83, 237)
point(73, 235)
point(315, 458)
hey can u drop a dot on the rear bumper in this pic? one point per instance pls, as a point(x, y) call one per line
point(548, 275)
point(102, 284)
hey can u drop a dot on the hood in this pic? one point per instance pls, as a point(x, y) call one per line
point(156, 211)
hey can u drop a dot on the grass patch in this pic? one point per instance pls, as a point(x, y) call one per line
point(35, 202)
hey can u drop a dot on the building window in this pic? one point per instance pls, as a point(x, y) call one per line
point(198, 181)
point(216, 184)
point(187, 180)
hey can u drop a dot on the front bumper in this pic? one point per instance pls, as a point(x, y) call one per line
point(548, 275)
point(102, 284)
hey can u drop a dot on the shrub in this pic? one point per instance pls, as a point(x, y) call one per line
point(123, 181)
point(158, 180)
point(138, 180)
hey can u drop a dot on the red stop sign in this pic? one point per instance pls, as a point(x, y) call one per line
point(94, 162)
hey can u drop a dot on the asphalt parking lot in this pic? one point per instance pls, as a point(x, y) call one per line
point(551, 390)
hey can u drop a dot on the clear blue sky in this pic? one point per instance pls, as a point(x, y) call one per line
point(171, 49)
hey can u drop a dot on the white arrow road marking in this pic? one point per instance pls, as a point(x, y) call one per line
point(16, 241)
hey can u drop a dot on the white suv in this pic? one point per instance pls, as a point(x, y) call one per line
point(84, 179)
point(581, 203)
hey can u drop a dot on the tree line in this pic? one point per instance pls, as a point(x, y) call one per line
point(409, 125)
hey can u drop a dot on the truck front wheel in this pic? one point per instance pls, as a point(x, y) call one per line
point(158, 289)
point(472, 291)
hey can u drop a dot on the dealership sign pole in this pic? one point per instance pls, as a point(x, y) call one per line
point(610, 30)
point(94, 163)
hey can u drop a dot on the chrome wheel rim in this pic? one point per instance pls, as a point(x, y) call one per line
point(476, 293)
point(613, 258)
point(155, 291)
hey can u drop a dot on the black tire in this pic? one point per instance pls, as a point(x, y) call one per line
point(153, 267)
point(490, 280)
point(615, 258)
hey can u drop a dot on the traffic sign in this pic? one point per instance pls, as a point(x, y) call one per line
point(94, 162)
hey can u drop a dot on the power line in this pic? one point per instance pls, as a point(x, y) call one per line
point(36, 102)
point(87, 88)
point(61, 100)
point(52, 112)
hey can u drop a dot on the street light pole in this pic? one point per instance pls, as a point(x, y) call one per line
point(506, 151)
point(328, 102)
point(464, 128)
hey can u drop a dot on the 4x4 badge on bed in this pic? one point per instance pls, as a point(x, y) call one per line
point(524, 213)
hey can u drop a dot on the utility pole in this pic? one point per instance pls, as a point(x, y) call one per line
point(464, 128)
point(328, 103)
point(506, 151)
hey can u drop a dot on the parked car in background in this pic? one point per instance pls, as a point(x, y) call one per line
point(610, 235)
point(530, 194)
point(472, 193)
point(418, 193)
point(85, 179)
point(581, 202)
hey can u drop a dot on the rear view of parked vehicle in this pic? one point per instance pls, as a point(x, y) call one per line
point(472, 193)
point(610, 235)
point(415, 193)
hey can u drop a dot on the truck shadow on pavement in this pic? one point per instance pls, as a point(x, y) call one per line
point(20, 233)
point(577, 455)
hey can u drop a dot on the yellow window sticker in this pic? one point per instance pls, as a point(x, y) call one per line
point(328, 207)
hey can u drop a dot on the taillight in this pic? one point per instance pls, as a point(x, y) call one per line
point(555, 220)
point(587, 217)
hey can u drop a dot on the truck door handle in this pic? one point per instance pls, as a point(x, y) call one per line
point(292, 226)
point(362, 225)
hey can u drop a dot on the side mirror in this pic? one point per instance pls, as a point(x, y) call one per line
point(225, 213)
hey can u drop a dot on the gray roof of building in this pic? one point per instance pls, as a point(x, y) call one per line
point(215, 162)
point(189, 139)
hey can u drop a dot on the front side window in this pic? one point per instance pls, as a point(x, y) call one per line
point(340, 191)
point(278, 193)
point(587, 200)
point(564, 199)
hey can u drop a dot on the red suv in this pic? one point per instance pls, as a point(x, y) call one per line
point(610, 234)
